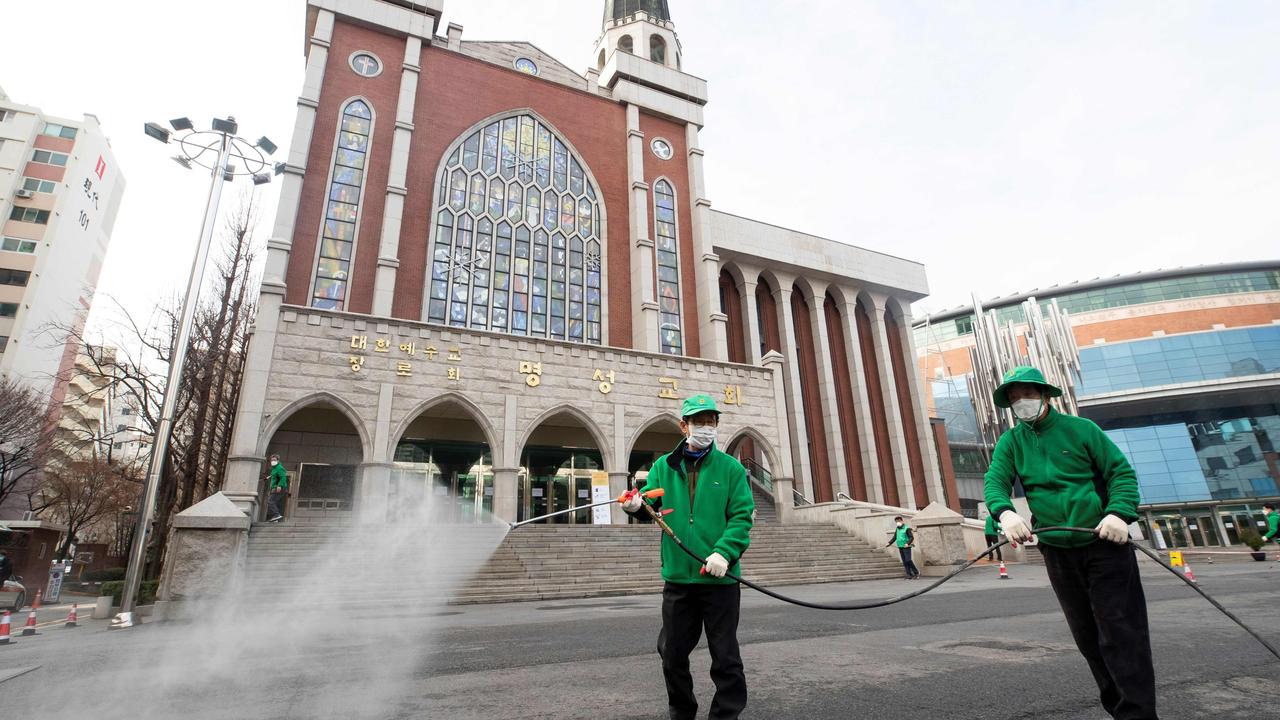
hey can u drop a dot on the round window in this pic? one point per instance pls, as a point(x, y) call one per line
point(365, 64)
point(662, 148)
point(527, 66)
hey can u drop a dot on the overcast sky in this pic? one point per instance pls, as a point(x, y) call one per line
point(1007, 146)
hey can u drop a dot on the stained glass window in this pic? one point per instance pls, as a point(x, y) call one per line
point(670, 336)
point(517, 237)
point(338, 232)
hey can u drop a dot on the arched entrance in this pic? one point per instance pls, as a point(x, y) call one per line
point(754, 456)
point(442, 466)
point(658, 436)
point(321, 448)
point(560, 458)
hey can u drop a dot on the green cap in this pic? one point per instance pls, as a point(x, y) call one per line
point(1026, 375)
point(699, 403)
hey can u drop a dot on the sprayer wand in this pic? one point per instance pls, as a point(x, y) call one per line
point(620, 499)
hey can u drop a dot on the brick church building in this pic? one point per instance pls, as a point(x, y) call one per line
point(491, 277)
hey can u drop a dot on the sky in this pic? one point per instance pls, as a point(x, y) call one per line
point(1007, 146)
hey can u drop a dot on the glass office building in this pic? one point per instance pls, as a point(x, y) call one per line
point(1180, 369)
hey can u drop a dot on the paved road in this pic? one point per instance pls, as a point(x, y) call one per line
point(977, 648)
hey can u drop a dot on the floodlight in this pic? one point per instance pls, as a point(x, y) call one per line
point(181, 124)
point(182, 160)
point(156, 131)
point(262, 178)
point(279, 168)
point(228, 126)
point(267, 146)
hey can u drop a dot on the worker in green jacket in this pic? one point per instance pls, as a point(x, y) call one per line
point(1273, 522)
point(708, 503)
point(1075, 476)
point(278, 490)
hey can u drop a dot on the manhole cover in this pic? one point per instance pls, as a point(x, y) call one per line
point(997, 649)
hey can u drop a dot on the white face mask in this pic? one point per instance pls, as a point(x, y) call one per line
point(701, 436)
point(273, 463)
point(899, 524)
point(1027, 409)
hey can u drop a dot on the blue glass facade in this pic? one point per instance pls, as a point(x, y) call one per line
point(1175, 359)
point(1201, 455)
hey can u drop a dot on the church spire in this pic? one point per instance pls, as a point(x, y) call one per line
point(618, 10)
point(638, 27)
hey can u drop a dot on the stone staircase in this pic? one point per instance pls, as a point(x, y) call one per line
point(536, 562)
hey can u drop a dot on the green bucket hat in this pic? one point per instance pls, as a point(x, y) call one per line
point(699, 403)
point(1022, 374)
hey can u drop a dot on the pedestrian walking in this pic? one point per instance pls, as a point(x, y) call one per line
point(1273, 523)
point(905, 538)
point(279, 490)
point(1075, 476)
point(992, 533)
point(708, 502)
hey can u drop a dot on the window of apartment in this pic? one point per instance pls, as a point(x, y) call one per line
point(18, 245)
point(5, 115)
point(14, 277)
point(30, 215)
point(38, 185)
point(4, 342)
point(8, 310)
point(49, 157)
point(56, 130)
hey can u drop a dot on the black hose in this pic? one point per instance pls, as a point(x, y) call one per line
point(900, 598)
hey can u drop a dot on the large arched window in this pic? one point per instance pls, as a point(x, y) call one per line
point(517, 236)
point(670, 337)
point(338, 232)
point(657, 49)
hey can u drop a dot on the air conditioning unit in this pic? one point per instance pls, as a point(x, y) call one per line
point(24, 193)
point(28, 515)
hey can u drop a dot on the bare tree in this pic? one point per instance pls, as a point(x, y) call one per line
point(200, 434)
point(88, 492)
point(26, 436)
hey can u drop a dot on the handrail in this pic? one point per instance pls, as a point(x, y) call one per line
point(799, 499)
point(842, 496)
point(757, 473)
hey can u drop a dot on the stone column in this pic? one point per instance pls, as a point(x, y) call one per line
point(750, 330)
point(375, 472)
point(245, 459)
point(384, 285)
point(927, 449)
point(617, 486)
point(862, 403)
point(505, 493)
point(829, 392)
point(204, 557)
point(796, 426)
point(893, 412)
point(644, 298)
point(782, 483)
point(712, 321)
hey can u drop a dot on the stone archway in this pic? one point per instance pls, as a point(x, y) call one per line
point(561, 455)
point(322, 446)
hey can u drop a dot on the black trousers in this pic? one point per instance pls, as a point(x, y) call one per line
point(686, 610)
point(908, 566)
point(275, 504)
point(992, 540)
point(1100, 592)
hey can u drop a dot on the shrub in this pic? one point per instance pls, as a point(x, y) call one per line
point(1250, 537)
point(146, 593)
point(106, 574)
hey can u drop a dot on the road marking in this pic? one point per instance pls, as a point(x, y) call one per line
point(12, 673)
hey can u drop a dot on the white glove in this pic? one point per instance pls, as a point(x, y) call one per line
point(716, 565)
point(1113, 529)
point(633, 503)
point(1014, 527)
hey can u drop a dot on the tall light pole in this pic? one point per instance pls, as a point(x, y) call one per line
point(213, 149)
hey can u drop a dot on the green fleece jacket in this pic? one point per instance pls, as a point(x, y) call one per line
point(992, 527)
point(1273, 525)
point(279, 479)
point(713, 514)
point(1072, 472)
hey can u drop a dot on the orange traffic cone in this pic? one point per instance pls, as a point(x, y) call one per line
point(4, 628)
point(1187, 571)
point(35, 605)
point(1004, 572)
point(30, 629)
point(71, 617)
